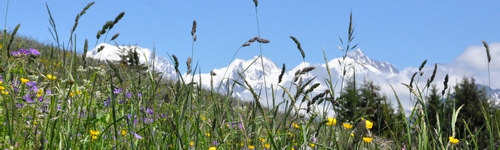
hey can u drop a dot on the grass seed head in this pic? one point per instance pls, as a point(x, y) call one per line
point(487, 51)
point(298, 46)
point(115, 36)
point(422, 65)
point(281, 73)
point(193, 28)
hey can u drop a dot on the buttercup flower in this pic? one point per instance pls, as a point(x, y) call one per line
point(212, 148)
point(23, 80)
point(251, 147)
point(367, 139)
point(331, 121)
point(453, 140)
point(267, 146)
point(347, 125)
point(124, 132)
point(312, 145)
point(93, 134)
point(51, 77)
point(369, 124)
point(296, 126)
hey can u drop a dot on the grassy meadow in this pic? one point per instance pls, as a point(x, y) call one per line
point(53, 97)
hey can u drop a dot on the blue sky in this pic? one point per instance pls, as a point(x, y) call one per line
point(403, 33)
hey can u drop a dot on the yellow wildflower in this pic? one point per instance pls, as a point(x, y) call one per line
point(2, 88)
point(124, 132)
point(251, 147)
point(93, 134)
point(369, 124)
point(23, 80)
point(1, 46)
point(296, 126)
point(263, 140)
point(453, 140)
point(207, 134)
point(267, 146)
point(347, 125)
point(331, 121)
point(5, 92)
point(367, 139)
point(212, 148)
point(312, 145)
point(51, 77)
point(352, 134)
point(39, 93)
point(191, 143)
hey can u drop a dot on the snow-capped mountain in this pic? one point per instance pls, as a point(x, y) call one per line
point(262, 73)
point(111, 52)
point(358, 57)
point(251, 70)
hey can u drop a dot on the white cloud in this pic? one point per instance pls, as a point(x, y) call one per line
point(474, 57)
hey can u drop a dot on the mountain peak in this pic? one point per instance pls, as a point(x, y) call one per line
point(356, 52)
point(358, 56)
point(146, 56)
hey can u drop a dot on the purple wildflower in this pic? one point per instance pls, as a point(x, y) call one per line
point(34, 52)
point(129, 95)
point(24, 52)
point(15, 53)
point(139, 95)
point(148, 120)
point(137, 136)
point(106, 102)
point(32, 86)
point(149, 111)
point(215, 143)
point(314, 140)
point(117, 90)
point(240, 125)
point(27, 98)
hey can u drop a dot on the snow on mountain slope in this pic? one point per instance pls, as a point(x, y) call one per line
point(111, 52)
point(251, 70)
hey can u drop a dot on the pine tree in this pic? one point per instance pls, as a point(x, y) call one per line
point(349, 109)
point(473, 99)
point(365, 101)
point(434, 107)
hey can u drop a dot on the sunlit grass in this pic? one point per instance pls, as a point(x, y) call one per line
point(81, 103)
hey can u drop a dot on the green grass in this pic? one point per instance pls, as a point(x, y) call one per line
point(80, 103)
